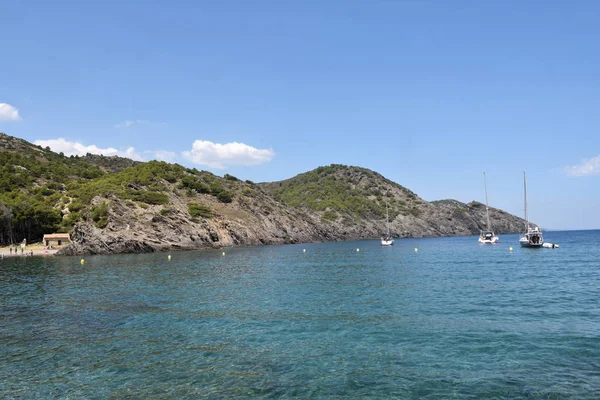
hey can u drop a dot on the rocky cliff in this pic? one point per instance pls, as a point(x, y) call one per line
point(355, 200)
point(251, 220)
point(262, 214)
point(115, 205)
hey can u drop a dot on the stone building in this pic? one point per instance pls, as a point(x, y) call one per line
point(56, 239)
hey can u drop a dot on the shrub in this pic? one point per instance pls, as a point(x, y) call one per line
point(215, 188)
point(230, 177)
point(329, 216)
point(191, 183)
point(156, 187)
point(100, 215)
point(171, 177)
point(76, 206)
point(225, 197)
point(47, 191)
point(69, 220)
point(249, 192)
point(199, 210)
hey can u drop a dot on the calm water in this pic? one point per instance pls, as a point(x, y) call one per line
point(454, 320)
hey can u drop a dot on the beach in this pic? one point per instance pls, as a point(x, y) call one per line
point(35, 249)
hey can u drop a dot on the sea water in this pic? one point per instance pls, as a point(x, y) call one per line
point(454, 319)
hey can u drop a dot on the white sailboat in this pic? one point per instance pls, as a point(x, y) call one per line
point(387, 239)
point(532, 237)
point(488, 236)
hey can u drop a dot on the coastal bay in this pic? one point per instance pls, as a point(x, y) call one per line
point(454, 319)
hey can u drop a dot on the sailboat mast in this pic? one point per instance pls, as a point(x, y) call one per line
point(387, 218)
point(487, 211)
point(525, 197)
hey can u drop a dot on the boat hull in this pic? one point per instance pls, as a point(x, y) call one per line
point(492, 240)
point(531, 246)
point(387, 242)
point(528, 244)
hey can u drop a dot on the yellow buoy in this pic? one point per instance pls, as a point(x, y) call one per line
point(357, 250)
point(223, 253)
point(510, 249)
point(82, 261)
point(304, 250)
point(416, 250)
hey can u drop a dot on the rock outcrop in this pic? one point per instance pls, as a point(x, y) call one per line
point(263, 218)
point(140, 230)
point(116, 205)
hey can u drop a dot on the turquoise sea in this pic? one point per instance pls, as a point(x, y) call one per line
point(455, 320)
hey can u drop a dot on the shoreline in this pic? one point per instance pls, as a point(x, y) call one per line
point(33, 250)
point(39, 250)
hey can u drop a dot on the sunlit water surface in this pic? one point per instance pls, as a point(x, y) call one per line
point(454, 320)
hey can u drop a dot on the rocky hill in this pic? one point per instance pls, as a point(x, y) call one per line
point(354, 199)
point(109, 163)
point(115, 205)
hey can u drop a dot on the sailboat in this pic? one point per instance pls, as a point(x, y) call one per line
point(533, 236)
point(488, 236)
point(387, 239)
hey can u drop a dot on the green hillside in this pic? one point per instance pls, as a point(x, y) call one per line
point(113, 204)
point(32, 186)
point(42, 192)
point(346, 192)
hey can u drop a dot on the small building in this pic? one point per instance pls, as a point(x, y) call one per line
point(56, 239)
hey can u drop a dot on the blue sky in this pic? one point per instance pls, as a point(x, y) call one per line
point(430, 93)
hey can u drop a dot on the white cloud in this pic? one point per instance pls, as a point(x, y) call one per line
point(163, 155)
point(69, 148)
point(9, 113)
point(589, 166)
point(218, 155)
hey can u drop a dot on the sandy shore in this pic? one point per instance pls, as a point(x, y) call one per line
point(36, 249)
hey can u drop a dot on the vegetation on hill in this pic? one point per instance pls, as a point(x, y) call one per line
point(31, 188)
point(347, 192)
point(449, 202)
point(170, 205)
point(109, 164)
point(42, 191)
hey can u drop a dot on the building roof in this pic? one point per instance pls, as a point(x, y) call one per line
point(50, 236)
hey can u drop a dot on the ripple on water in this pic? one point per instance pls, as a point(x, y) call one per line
point(456, 320)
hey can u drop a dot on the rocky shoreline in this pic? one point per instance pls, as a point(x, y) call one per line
point(89, 240)
point(114, 205)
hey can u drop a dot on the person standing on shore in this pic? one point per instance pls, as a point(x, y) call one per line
point(10, 249)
